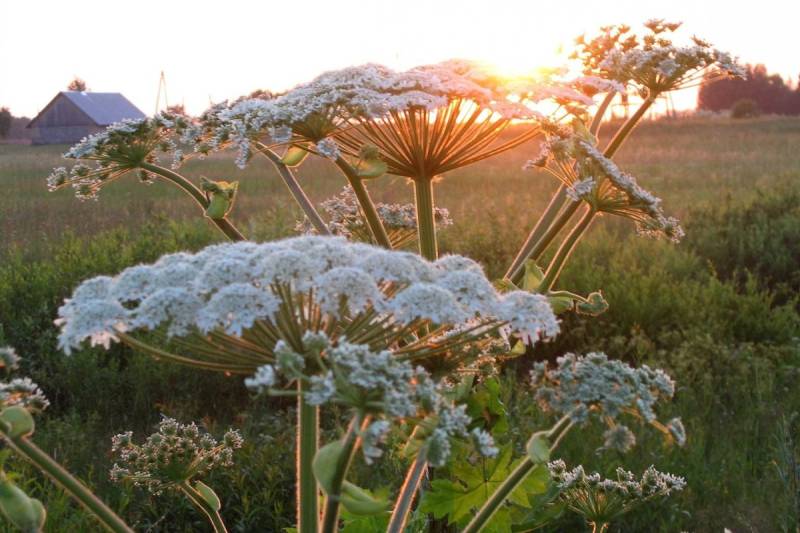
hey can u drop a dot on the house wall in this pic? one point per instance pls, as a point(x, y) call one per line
point(62, 134)
point(62, 122)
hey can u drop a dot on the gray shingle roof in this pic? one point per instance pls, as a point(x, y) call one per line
point(104, 108)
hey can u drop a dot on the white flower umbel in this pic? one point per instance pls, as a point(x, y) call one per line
point(650, 60)
point(120, 148)
point(230, 305)
point(594, 386)
point(345, 219)
point(600, 501)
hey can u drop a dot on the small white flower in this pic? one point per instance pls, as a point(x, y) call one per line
point(263, 379)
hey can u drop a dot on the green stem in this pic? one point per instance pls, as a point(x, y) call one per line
point(594, 128)
point(409, 489)
point(330, 516)
point(530, 245)
point(202, 505)
point(426, 223)
point(499, 496)
point(307, 444)
point(70, 484)
point(516, 477)
point(191, 189)
point(367, 206)
point(627, 128)
point(296, 190)
point(565, 250)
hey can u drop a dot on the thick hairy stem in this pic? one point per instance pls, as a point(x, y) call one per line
point(367, 206)
point(627, 128)
point(565, 250)
point(330, 516)
point(517, 267)
point(307, 444)
point(296, 191)
point(202, 505)
point(426, 223)
point(600, 113)
point(77, 490)
point(223, 224)
point(409, 489)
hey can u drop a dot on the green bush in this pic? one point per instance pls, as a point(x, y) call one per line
point(745, 108)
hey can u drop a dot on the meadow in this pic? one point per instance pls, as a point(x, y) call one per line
point(719, 311)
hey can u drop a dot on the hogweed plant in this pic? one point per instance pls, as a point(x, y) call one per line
point(172, 459)
point(342, 320)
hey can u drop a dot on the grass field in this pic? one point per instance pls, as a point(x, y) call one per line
point(688, 163)
point(718, 311)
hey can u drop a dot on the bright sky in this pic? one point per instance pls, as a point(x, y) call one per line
point(223, 49)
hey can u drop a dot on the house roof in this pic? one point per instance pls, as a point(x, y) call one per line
point(102, 108)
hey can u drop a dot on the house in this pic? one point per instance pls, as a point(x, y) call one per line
point(73, 115)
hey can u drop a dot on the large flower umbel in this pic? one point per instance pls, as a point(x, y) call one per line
point(228, 306)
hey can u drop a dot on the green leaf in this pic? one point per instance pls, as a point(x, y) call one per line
point(371, 168)
point(594, 305)
point(459, 498)
point(538, 448)
point(533, 276)
point(294, 155)
point(208, 495)
point(18, 422)
point(504, 285)
point(360, 502)
point(560, 304)
point(325, 463)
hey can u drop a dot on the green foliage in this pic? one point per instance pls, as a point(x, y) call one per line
point(471, 485)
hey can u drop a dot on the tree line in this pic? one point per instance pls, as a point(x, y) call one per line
point(768, 93)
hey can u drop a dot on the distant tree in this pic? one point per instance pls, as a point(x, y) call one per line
point(5, 121)
point(769, 92)
point(77, 85)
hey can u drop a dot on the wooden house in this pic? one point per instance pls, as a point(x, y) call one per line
point(73, 115)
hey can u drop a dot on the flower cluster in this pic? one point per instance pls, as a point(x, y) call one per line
point(345, 219)
point(122, 147)
point(19, 391)
point(238, 300)
point(652, 61)
point(571, 155)
point(600, 500)
point(596, 386)
point(375, 383)
point(175, 454)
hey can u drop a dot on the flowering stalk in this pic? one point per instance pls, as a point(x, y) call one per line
point(367, 206)
point(565, 250)
point(535, 245)
point(515, 478)
point(223, 224)
point(203, 506)
point(296, 190)
point(307, 445)
point(330, 516)
point(406, 497)
point(70, 484)
point(426, 224)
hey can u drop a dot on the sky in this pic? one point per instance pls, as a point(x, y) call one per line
point(210, 51)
